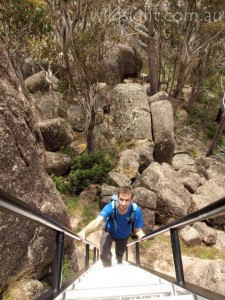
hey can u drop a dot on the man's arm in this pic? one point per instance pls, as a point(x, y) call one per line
point(90, 227)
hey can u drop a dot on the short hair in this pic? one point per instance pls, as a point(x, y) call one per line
point(126, 190)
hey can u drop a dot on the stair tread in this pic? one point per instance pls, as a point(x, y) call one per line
point(120, 291)
point(178, 297)
point(117, 275)
point(125, 281)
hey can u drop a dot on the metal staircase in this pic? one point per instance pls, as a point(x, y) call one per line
point(120, 282)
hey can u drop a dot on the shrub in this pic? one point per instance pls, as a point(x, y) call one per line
point(85, 170)
point(61, 184)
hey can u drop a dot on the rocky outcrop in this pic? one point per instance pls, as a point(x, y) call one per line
point(22, 174)
point(160, 96)
point(131, 113)
point(57, 163)
point(163, 131)
point(56, 133)
point(51, 104)
point(147, 200)
point(182, 159)
point(128, 164)
point(123, 61)
point(207, 234)
point(173, 200)
point(190, 236)
point(206, 273)
point(75, 117)
point(37, 82)
point(144, 149)
point(117, 179)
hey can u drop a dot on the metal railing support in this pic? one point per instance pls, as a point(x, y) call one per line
point(87, 254)
point(137, 246)
point(95, 255)
point(177, 256)
point(58, 262)
point(126, 254)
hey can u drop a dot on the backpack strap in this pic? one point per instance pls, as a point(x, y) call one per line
point(132, 215)
point(114, 203)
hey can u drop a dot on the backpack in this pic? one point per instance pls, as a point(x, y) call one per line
point(114, 202)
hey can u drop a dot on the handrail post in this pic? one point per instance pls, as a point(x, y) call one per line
point(95, 253)
point(126, 253)
point(137, 245)
point(58, 262)
point(87, 257)
point(177, 256)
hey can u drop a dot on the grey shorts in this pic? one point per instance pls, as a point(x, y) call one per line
point(105, 248)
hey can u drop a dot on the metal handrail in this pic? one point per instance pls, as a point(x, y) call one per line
point(204, 213)
point(9, 203)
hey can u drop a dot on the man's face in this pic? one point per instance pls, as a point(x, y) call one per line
point(124, 202)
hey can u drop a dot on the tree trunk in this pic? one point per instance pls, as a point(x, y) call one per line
point(216, 136)
point(197, 84)
point(181, 78)
point(90, 126)
point(152, 57)
point(90, 140)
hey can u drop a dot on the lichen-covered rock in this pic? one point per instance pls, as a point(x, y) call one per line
point(190, 236)
point(57, 163)
point(117, 179)
point(131, 112)
point(128, 164)
point(122, 61)
point(22, 174)
point(37, 82)
point(163, 131)
point(56, 133)
point(207, 234)
point(173, 200)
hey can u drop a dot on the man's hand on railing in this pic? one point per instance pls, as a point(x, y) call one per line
point(82, 235)
point(139, 233)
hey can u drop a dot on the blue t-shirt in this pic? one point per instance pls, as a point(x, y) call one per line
point(123, 228)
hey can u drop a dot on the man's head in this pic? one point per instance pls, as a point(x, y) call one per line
point(125, 195)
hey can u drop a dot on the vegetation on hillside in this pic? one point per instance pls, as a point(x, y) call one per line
point(182, 42)
point(85, 170)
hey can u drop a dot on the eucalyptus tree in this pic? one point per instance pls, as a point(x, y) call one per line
point(83, 29)
point(73, 33)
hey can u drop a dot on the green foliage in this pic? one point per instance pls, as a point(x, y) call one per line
point(85, 170)
point(61, 184)
point(196, 153)
point(67, 150)
point(22, 18)
point(67, 269)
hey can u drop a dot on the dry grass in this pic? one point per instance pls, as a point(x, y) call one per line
point(16, 288)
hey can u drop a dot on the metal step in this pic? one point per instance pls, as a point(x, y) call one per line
point(157, 290)
point(120, 282)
